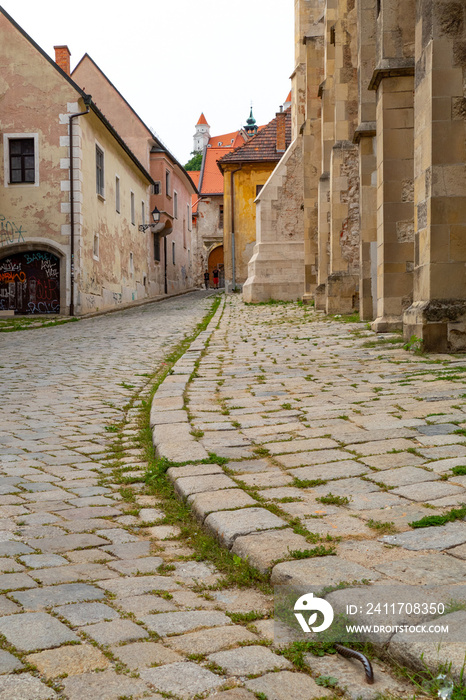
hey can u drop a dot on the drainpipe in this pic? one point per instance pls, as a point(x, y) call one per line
point(233, 248)
point(165, 262)
point(87, 102)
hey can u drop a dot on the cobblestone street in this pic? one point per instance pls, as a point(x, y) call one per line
point(324, 443)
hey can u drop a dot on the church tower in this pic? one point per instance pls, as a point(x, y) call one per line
point(202, 135)
point(251, 127)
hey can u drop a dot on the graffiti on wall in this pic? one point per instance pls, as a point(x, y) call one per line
point(30, 283)
point(10, 232)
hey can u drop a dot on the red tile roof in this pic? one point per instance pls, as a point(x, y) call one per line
point(262, 147)
point(227, 140)
point(212, 178)
point(202, 120)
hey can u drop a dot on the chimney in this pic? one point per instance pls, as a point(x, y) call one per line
point(62, 58)
point(281, 131)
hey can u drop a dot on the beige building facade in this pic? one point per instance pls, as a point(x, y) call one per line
point(76, 194)
point(383, 121)
point(170, 258)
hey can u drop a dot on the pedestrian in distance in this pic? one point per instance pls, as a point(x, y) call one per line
point(215, 276)
point(206, 279)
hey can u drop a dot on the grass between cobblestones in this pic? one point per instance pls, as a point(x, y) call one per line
point(29, 323)
point(237, 571)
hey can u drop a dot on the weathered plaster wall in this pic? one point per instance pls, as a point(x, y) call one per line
point(246, 182)
point(276, 269)
point(208, 234)
point(112, 279)
point(35, 216)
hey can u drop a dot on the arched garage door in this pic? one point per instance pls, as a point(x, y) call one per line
point(216, 261)
point(30, 283)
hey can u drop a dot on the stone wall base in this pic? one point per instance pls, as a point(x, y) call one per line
point(276, 271)
point(342, 293)
point(387, 324)
point(320, 297)
point(440, 324)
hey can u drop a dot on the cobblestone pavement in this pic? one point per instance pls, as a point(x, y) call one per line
point(334, 441)
point(99, 600)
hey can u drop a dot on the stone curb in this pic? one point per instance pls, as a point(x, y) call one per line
point(171, 430)
point(240, 525)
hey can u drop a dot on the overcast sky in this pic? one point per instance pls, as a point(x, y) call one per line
point(173, 59)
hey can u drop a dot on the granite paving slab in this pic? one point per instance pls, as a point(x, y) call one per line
point(429, 491)
point(24, 687)
point(145, 654)
point(178, 622)
point(182, 679)
point(132, 585)
point(263, 549)
point(143, 565)
point(208, 502)
point(228, 525)
point(316, 574)
point(35, 631)
point(9, 663)
point(78, 614)
point(115, 632)
point(439, 537)
point(285, 685)
point(418, 649)
point(107, 685)
point(10, 582)
point(248, 660)
point(65, 543)
point(350, 676)
point(57, 595)
point(332, 470)
point(209, 640)
point(186, 486)
point(69, 660)
point(429, 570)
point(129, 550)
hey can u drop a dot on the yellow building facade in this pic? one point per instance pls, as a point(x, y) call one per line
point(246, 170)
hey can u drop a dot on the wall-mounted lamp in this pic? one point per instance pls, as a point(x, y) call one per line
point(155, 213)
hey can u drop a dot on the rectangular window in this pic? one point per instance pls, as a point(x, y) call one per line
point(173, 252)
point(156, 247)
point(157, 188)
point(99, 171)
point(168, 184)
point(175, 204)
point(220, 216)
point(117, 194)
point(184, 233)
point(189, 217)
point(22, 163)
point(21, 159)
point(133, 214)
point(96, 246)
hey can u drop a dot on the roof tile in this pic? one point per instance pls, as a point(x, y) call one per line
point(262, 147)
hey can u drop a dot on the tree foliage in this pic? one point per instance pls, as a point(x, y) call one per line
point(195, 162)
